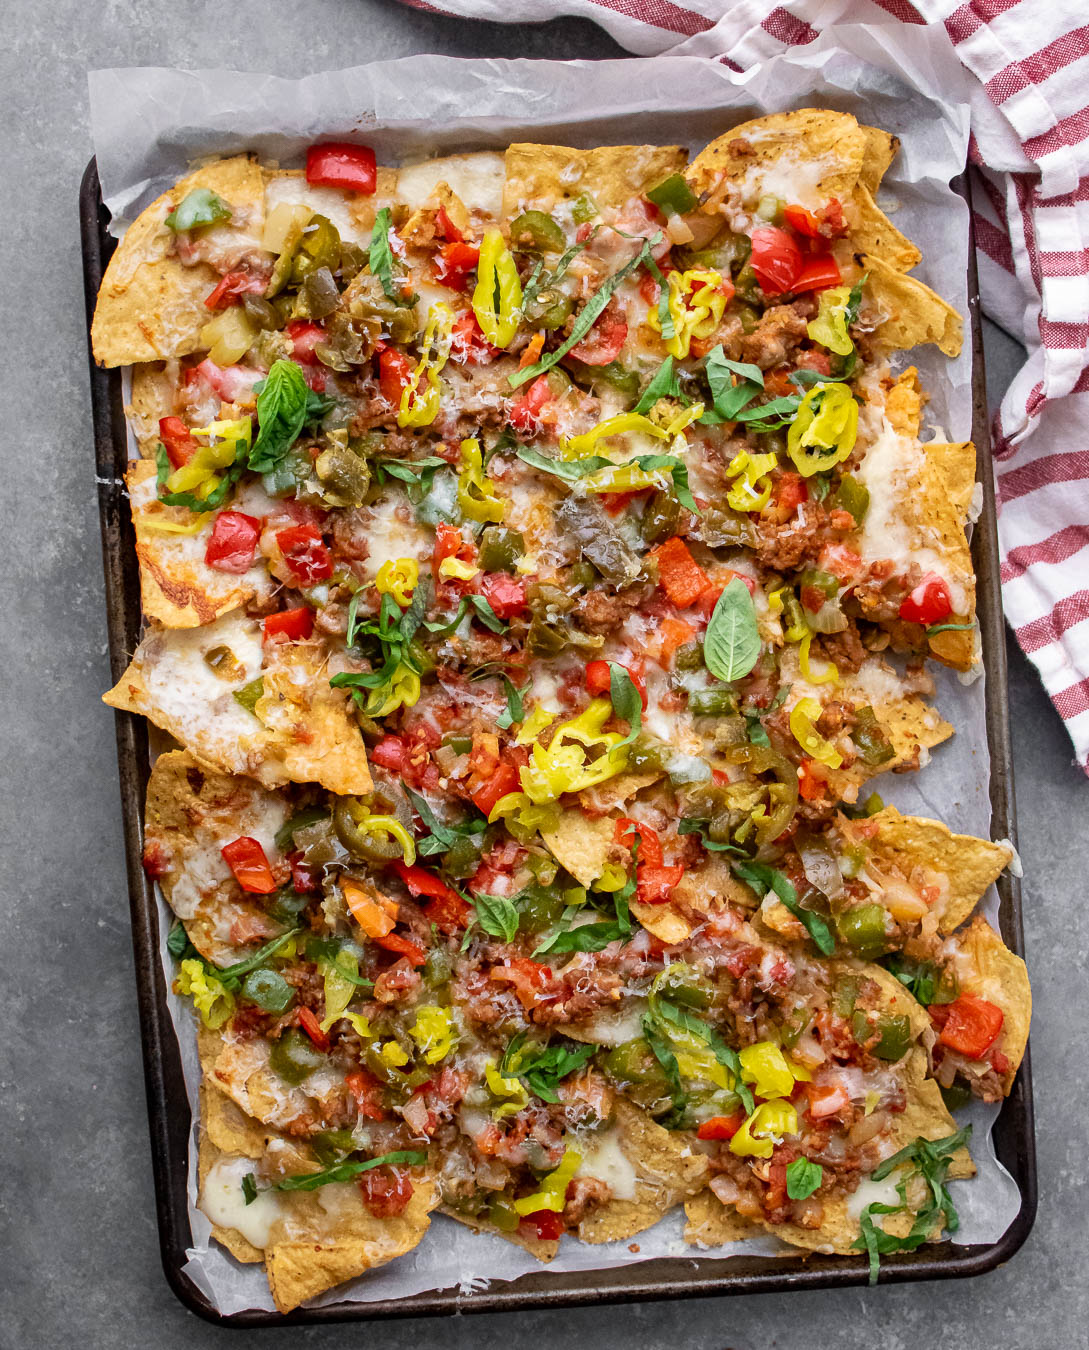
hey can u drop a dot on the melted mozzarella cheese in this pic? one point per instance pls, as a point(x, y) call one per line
point(221, 1199)
point(328, 202)
point(872, 1193)
point(390, 537)
point(477, 179)
point(604, 1159)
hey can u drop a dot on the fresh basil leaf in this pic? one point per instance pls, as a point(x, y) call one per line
point(731, 644)
point(678, 471)
point(496, 914)
point(380, 259)
point(728, 398)
point(663, 384)
point(854, 300)
point(587, 316)
point(663, 1053)
point(626, 700)
point(930, 984)
point(249, 1188)
point(282, 400)
point(486, 614)
point(763, 878)
point(754, 729)
point(571, 470)
point(588, 937)
point(948, 628)
point(775, 410)
point(806, 379)
point(544, 1069)
point(177, 942)
point(348, 1171)
point(198, 505)
point(200, 207)
point(803, 1178)
point(234, 973)
point(515, 710)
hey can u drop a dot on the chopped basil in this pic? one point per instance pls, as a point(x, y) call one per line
point(343, 1171)
point(496, 914)
point(515, 710)
point(763, 878)
point(626, 700)
point(542, 1069)
point(380, 259)
point(664, 384)
point(571, 470)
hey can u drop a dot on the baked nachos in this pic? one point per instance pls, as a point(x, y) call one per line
point(541, 553)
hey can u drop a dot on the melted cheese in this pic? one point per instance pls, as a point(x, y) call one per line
point(604, 1159)
point(872, 1193)
point(328, 202)
point(221, 1199)
point(477, 179)
point(389, 536)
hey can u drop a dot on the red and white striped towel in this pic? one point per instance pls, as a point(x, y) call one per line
point(1029, 63)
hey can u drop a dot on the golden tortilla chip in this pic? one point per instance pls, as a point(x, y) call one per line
point(581, 844)
point(988, 969)
point(699, 892)
point(904, 404)
point(301, 729)
point(208, 1154)
point(914, 313)
point(228, 1127)
point(667, 1170)
point(945, 499)
point(616, 791)
point(540, 176)
point(970, 865)
point(150, 305)
point(177, 587)
point(881, 148)
point(152, 399)
point(713, 1224)
point(871, 232)
point(749, 154)
point(544, 1249)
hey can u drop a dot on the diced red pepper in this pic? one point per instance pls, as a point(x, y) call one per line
point(310, 1024)
point(650, 846)
point(455, 262)
point(393, 942)
point(674, 633)
point(599, 679)
point(305, 554)
point(506, 594)
point(448, 544)
point(720, 1127)
point(337, 164)
point(468, 343)
point(304, 876)
point(810, 783)
point(386, 1191)
point(304, 336)
point(447, 910)
point(394, 372)
point(524, 413)
point(292, 625)
point(776, 259)
point(655, 884)
point(545, 1224)
point(446, 226)
point(603, 342)
point(389, 753)
point(790, 491)
point(805, 222)
point(679, 575)
point(246, 859)
point(616, 502)
point(504, 780)
point(929, 602)
point(817, 274)
point(179, 441)
point(971, 1026)
point(232, 288)
point(367, 1092)
point(233, 542)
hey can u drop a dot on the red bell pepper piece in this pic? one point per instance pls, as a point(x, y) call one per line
point(776, 259)
point(599, 679)
point(790, 491)
point(810, 784)
point(305, 554)
point(389, 753)
point(679, 575)
point(232, 288)
point(448, 542)
point(304, 336)
point(468, 343)
point(929, 602)
point(293, 625)
point(447, 910)
point(233, 542)
point(720, 1127)
point(546, 1224)
point(339, 165)
point(394, 372)
point(455, 262)
point(446, 226)
point(971, 1026)
point(505, 594)
point(524, 412)
point(367, 1092)
point(805, 222)
point(312, 1027)
point(655, 884)
point(246, 859)
point(650, 846)
point(504, 780)
point(393, 942)
point(180, 444)
point(817, 274)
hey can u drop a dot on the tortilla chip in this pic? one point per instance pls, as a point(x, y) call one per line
point(881, 148)
point(177, 587)
point(833, 139)
point(713, 1224)
point(540, 176)
point(347, 1241)
point(871, 232)
point(150, 305)
point(544, 1249)
point(910, 724)
point(616, 791)
point(904, 404)
point(914, 313)
point(667, 1170)
point(208, 1154)
point(152, 399)
point(582, 845)
point(969, 864)
point(699, 892)
point(301, 730)
point(987, 968)
point(228, 1127)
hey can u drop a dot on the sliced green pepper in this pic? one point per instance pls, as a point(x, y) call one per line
point(584, 208)
point(673, 196)
point(536, 231)
point(852, 496)
point(294, 1056)
point(319, 247)
point(500, 549)
point(250, 693)
point(868, 736)
point(863, 930)
point(268, 990)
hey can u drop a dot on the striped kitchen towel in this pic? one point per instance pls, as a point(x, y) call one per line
point(1029, 67)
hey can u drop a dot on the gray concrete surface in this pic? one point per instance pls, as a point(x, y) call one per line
point(79, 1263)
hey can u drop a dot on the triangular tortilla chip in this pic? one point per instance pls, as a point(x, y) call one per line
point(544, 1249)
point(914, 314)
point(581, 844)
point(881, 148)
point(987, 968)
point(871, 232)
point(540, 176)
point(208, 1154)
point(713, 1224)
point(153, 389)
point(150, 305)
point(616, 791)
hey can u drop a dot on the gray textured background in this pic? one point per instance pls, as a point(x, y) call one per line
point(79, 1261)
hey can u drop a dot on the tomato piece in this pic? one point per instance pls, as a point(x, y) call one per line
point(304, 336)
point(393, 942)
point(389, 753)
point(655, 884)
point(233, 542)
point(720, 1127)
point(338, 164)
point(673, 633)
point(524, 413)
point(506, 594)
point(179, 442)
point(598, 678)
point(386, 1191)
point(971, 1026)
point(455, 262)
point(504, 780)
point(679, 575)
point(367, 1091)
point(246, 859)
point(468, 343)
point(232, 288)
point(305, 554)
point(310, 1024)
point(394, 373)
point(291, 625)
point(603, 342)
point(304, 876)
point(447, 543)
point(817, 274)
point(790, 491)
point(929, 602)
point(546, 1224)
point(810, 783)
point(615, 502)
point(776, 259)
point(650, 846)
point(805, 222)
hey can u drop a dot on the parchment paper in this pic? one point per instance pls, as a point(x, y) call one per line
point(150, 124)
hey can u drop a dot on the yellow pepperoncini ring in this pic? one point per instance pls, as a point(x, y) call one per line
point(402, 691)
point(613, 878)
point(803, 717)
point(579, 446)
point(696, 305)
point(775, 600)
point(830, 673)
point(477, 495)
point(225, 441)
point(148, 522)
point(434, 1032)
point(513, 1089)
point(563, 765)
point(497, 299)
point(368, 824)
point(765, 1128)
point(751, 490)
point(534, 724)
point(829, 328)
point(765, 1066)
point(398, 577)
point(416, 409)
point(552, 1193)
point(211, 998)
point(824, 429)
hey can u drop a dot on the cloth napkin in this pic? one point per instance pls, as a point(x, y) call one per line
point(1028, 66)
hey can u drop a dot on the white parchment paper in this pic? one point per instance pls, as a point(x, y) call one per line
point(149, 125)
